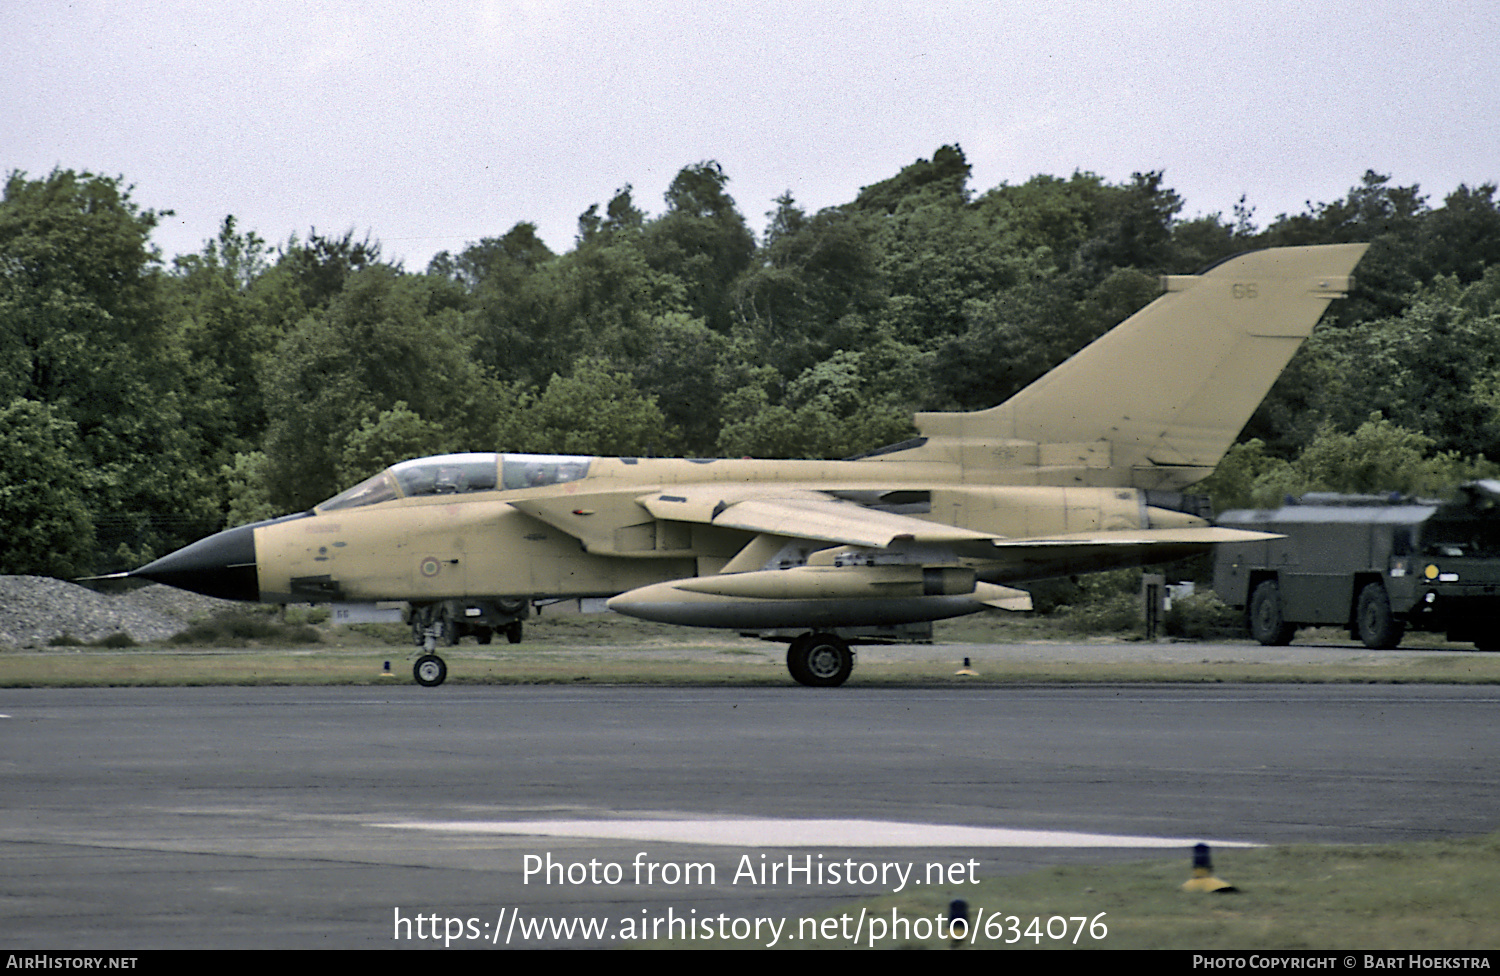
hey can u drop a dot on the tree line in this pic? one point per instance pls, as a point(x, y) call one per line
point(145, 403)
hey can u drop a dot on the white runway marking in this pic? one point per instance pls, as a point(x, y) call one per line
point(802, 833)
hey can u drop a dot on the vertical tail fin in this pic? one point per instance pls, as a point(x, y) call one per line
point(1156, 401)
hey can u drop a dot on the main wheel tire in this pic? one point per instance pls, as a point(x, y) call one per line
point(513, 632)
point(484, 635)
point(1266, 622)
point(1380, 629)
point(820, 660)
point(795, 652)
point(430, 671)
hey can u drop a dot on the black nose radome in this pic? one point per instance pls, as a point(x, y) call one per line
point(222, 565)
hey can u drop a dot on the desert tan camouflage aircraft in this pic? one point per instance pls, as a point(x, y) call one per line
point(1080, 471)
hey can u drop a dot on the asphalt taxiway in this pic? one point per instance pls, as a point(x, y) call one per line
point(316, 817)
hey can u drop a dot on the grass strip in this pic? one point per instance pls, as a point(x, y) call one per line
point(1423, 895)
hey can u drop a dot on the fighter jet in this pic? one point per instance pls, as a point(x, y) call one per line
point(1081, 471)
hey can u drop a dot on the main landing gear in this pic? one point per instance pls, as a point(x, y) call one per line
point(820, 660)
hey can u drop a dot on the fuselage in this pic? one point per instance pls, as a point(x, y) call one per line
point(549, 526)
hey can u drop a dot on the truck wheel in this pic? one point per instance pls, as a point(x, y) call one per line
point(1378, 627)
point(451, 629)
point(1266, 623)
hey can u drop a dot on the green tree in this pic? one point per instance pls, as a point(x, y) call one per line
point(757, 428)
point(1050, 217)
point(320, 266)
point(48, 528)
point(598, 301)
point(1010, 339)
point(702, 241)
point(1132, 228)
point(1462, 237)
point(226, 330)
point(1248, 476)
point(1428, 369)
point(1087, 228)
point(84, 329)
point(1020, 334)
point(1378, 457)
point(495, 261)
point(1388, 218)
point(944, 177)
point(378, 343)
point(594, 411)
point(395, 435)
point(815, 279)
point(851, 403)
point(78, 288)
point(687, 369)
point(511, 297)
point(247, 480)
point(935, 260)
point(1204, 241)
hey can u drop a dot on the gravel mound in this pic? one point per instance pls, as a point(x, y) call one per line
point(36, 610)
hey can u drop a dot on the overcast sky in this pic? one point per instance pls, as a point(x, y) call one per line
point(432, 124)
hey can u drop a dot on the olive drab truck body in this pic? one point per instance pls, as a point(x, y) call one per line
point(1374, 565)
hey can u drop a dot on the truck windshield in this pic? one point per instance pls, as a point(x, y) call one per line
point(1478, 537)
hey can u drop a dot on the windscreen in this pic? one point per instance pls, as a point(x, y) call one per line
point(1467, 537)
point(460, 474)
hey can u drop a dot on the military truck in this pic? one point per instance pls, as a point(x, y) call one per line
point(452, 620)
point(1375, 565)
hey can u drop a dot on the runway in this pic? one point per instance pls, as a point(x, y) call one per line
point(323, 817)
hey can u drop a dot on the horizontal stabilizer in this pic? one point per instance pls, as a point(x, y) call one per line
point(1003, 597)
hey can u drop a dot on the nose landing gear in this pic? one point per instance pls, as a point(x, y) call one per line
point(430, 671)
point(446, 622)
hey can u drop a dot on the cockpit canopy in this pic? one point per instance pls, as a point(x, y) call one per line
point(456, 474)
